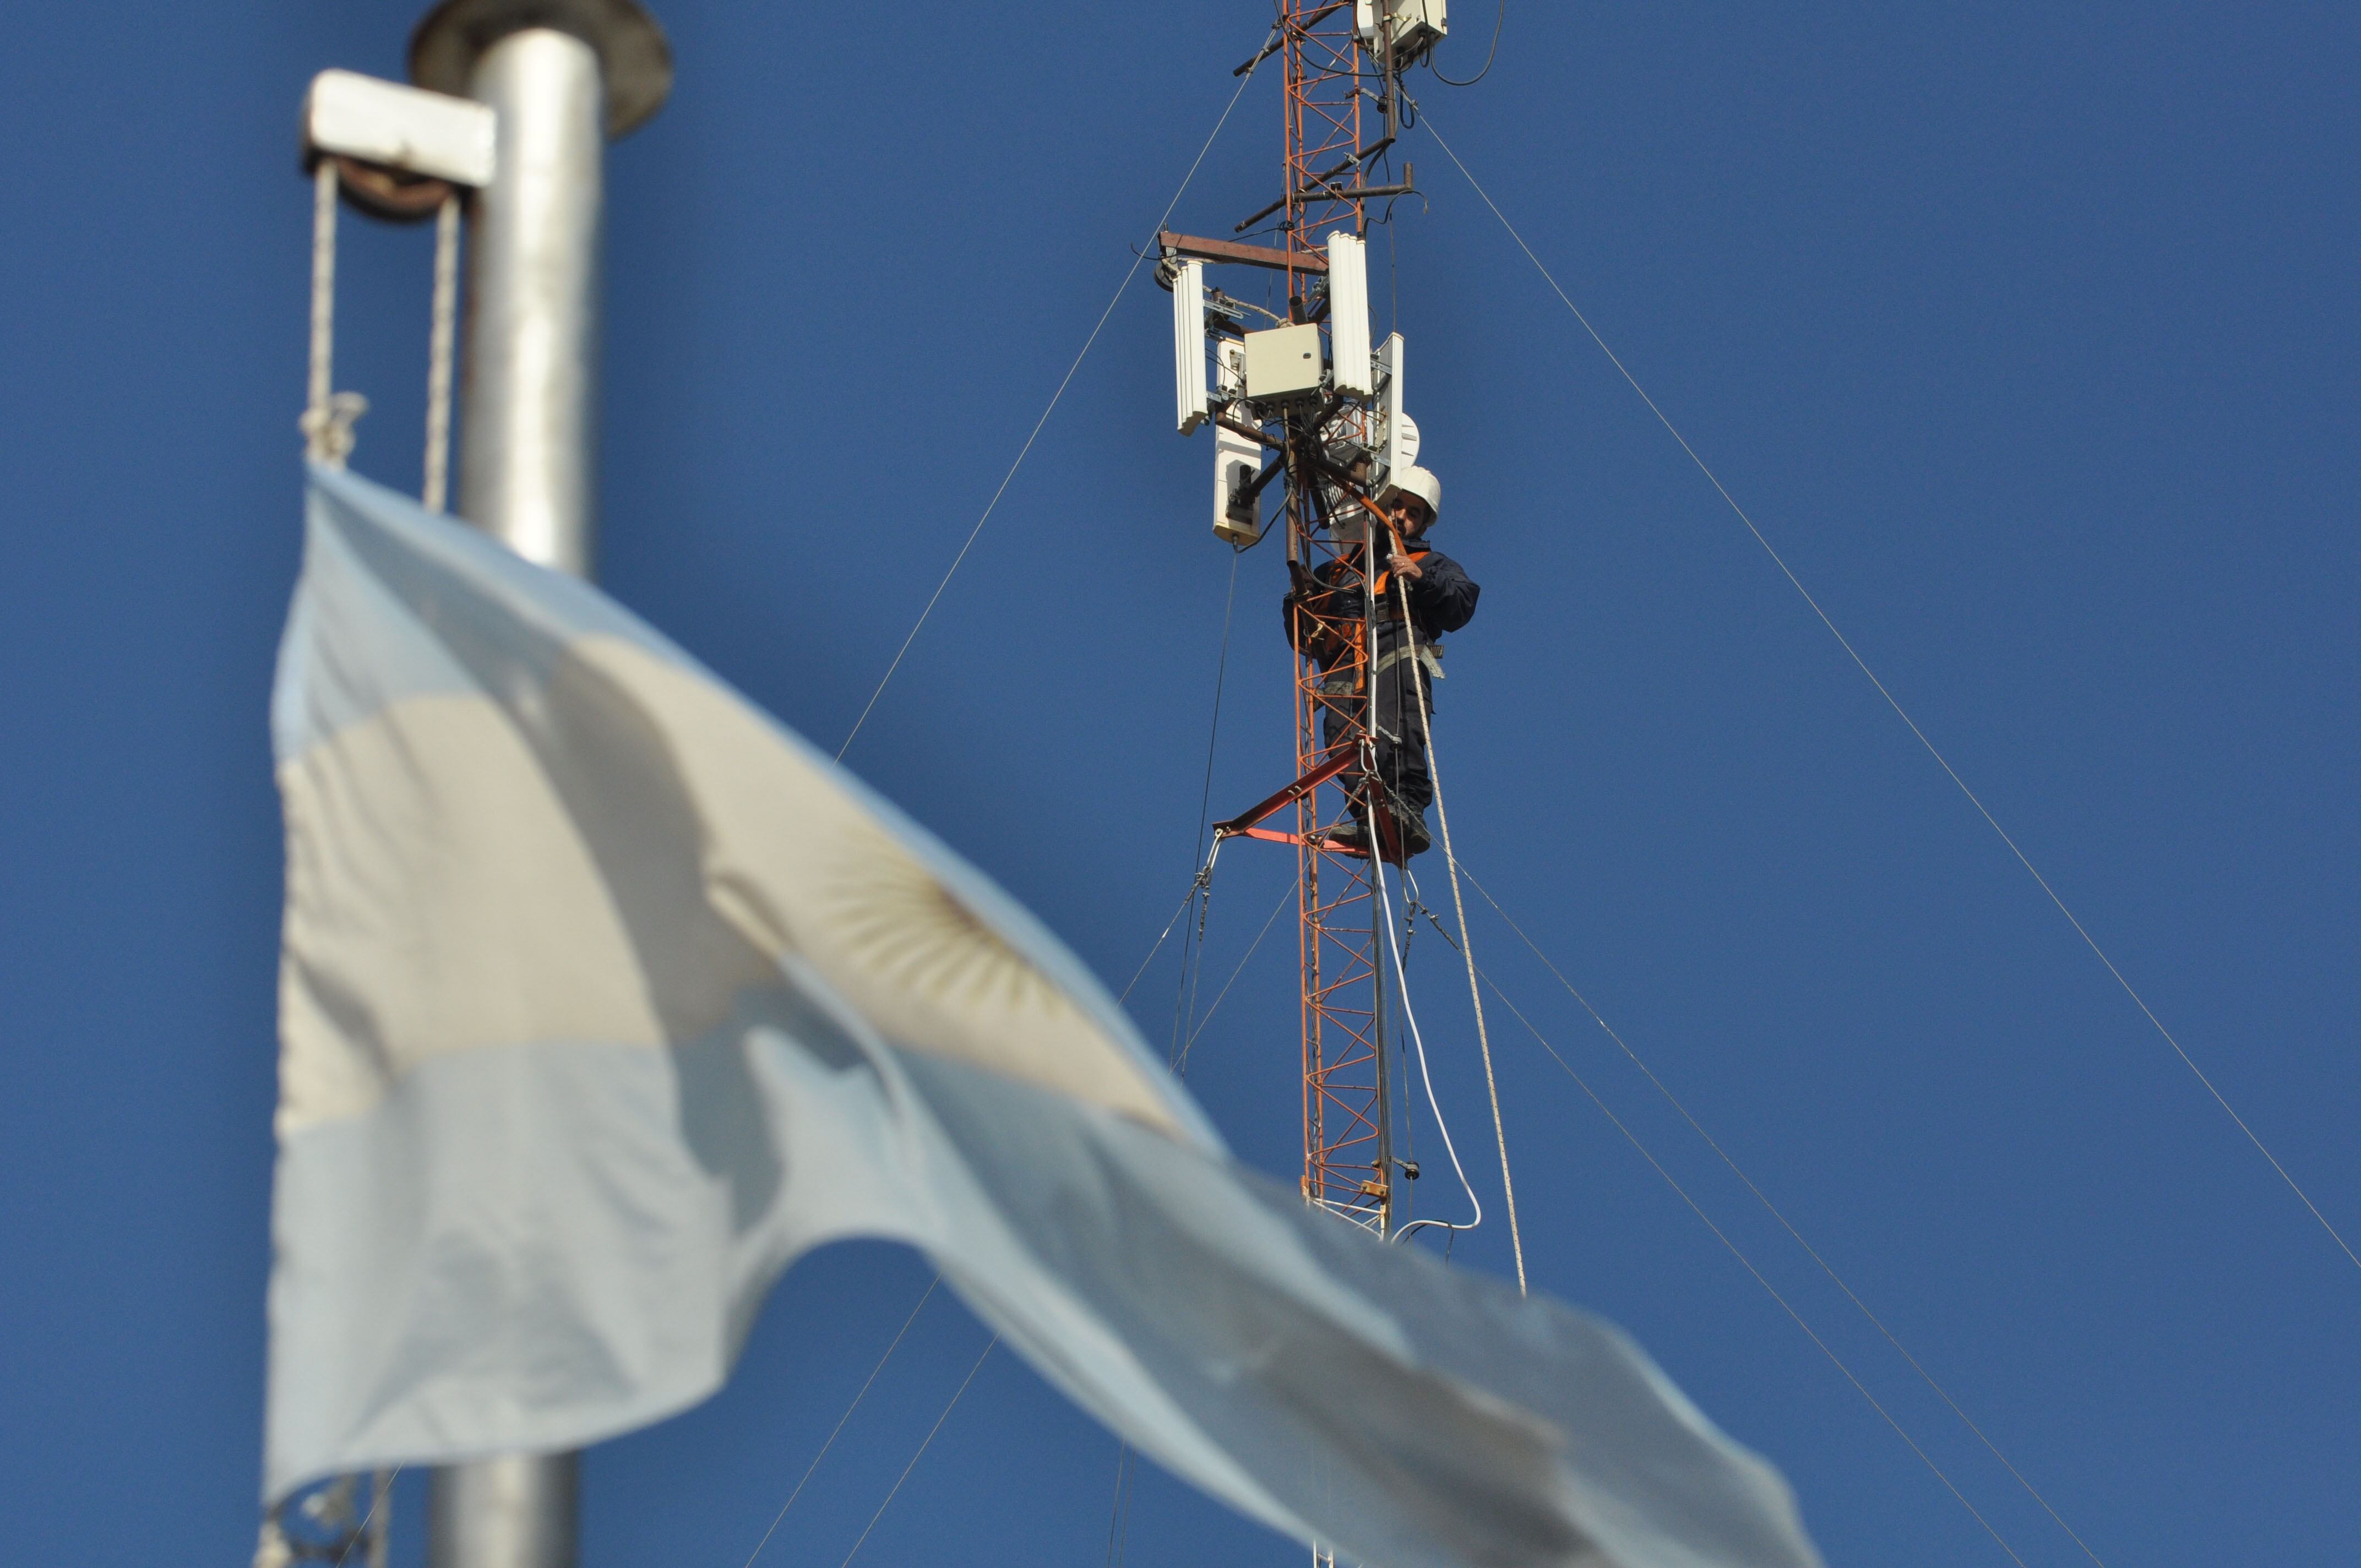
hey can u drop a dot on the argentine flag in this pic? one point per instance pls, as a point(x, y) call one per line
point(604, 997)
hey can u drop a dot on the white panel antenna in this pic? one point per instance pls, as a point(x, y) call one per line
point(1237, 460)
point(1397, 436)
point(1189, 347)
point(1348, 312)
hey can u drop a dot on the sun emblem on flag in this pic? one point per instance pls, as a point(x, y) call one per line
point(908, 931)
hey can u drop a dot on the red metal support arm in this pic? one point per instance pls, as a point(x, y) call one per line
point(1284, 798)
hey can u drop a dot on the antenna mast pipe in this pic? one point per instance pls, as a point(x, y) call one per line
point(564, 75)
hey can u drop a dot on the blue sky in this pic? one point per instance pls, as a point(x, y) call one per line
point(2028, 335)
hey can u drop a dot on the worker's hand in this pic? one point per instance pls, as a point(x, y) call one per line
point(1408, 567)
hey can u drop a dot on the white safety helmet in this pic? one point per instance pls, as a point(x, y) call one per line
point(1421, 483)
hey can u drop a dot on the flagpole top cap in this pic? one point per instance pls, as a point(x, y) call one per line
point(634, 55)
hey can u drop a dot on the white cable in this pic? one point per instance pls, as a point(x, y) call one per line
point(1403, 990)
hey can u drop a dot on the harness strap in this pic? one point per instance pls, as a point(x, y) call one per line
point(1428, 655)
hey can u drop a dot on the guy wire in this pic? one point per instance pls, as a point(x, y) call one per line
point(1834, 1360)
point(1131, 272)
point(1891, 701)
point(1761, 1197)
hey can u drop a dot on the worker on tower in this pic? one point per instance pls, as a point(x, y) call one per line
point(1325, 612)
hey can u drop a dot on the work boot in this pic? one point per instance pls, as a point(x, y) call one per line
point(1416, 841)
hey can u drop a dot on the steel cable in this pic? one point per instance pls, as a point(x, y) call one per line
point(1837, 1362)
point(895, 1490)
point(928, 1295)
point(1784, 1223)
point(1131, 272)
point(1891, 701)
point(836, 1431)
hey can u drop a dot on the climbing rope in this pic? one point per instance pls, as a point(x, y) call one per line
point(1186, 899)
point(1192, 952)
point(1467, 950)
point(1119, 1522)
point(1892, 702)
point(1221, 679)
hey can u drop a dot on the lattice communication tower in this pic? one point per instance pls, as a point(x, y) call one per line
point(1300, 402)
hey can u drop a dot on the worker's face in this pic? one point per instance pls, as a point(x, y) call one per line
point(1415, 518)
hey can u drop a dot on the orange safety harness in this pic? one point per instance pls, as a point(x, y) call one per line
point(1342, 676)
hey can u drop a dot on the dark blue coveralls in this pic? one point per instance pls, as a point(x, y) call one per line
point(1442, 600)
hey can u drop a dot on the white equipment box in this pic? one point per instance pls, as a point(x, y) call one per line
point(1283, 364)
point(1417, 26)
point(1237, 460)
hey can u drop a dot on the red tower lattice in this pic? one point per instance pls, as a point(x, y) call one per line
point(1336, 82)
point(1347, 1138)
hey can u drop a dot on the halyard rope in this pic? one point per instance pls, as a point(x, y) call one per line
point(436, 492)
point(324, 299)
point(328, 414)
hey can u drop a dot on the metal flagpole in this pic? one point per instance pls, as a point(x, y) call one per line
point(564, 75)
